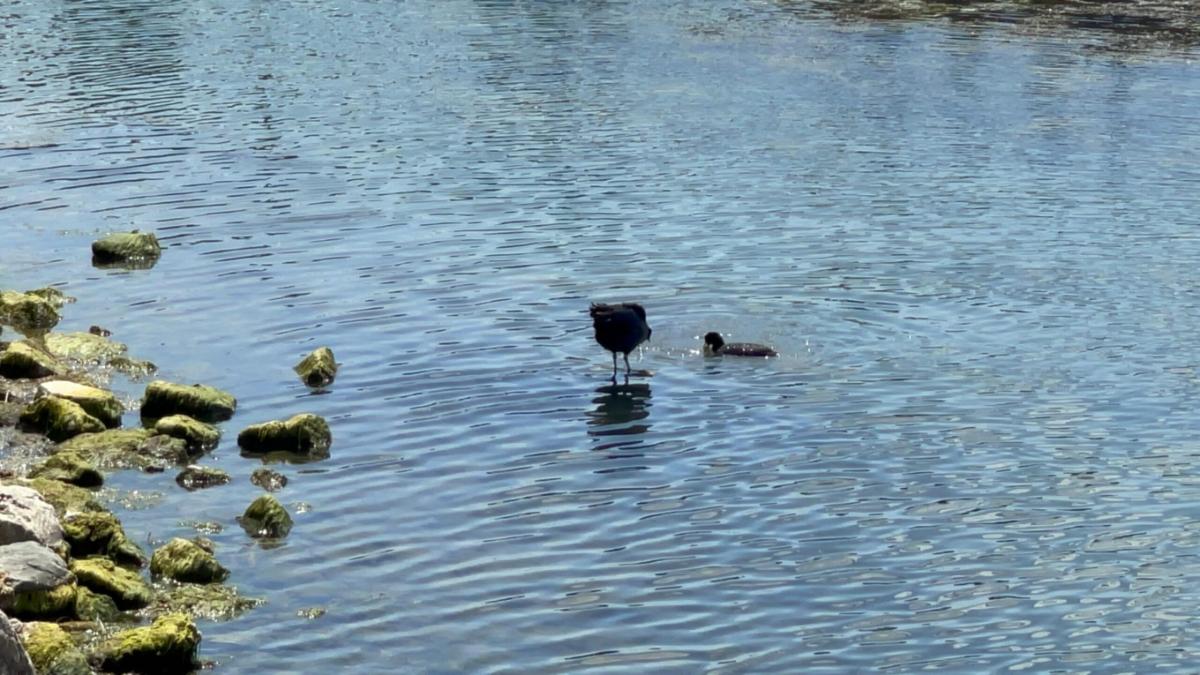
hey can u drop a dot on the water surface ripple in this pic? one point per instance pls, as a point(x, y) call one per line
point(974, 247)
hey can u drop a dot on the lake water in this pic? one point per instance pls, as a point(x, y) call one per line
point(974, 244)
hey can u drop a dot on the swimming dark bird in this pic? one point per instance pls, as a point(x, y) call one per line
point(715, 344)
point(620, 328)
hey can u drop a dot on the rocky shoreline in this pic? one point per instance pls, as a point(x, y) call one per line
point(77, 594)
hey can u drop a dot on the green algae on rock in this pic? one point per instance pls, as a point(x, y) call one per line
point(168, 645)
point(98, 403)
point(269, 480)
point(127, 449)
point(266, 517)
point(101, 533)
point(305, 435)
point(207, 404)
point(32, 310)
point(52, 651)
point(23, 359)
point(215, 602)
point(184, 560)
point(200, 437)
point(196, 477)
point(92, 606)
point(84, 347)
point(102, 575)
point(318, 368)
point(52, 603)
point(59, 419)
point(65, 498)
point(126, 247)
point(68, 467)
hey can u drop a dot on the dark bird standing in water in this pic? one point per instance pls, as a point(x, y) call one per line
point(715, 344)
point(620, 328)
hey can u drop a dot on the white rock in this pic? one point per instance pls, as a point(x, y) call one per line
point(25, 516)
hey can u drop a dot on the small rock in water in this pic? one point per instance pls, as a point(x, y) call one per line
point(311, 613)
point(304, 435)
point(318, 368)
point(186, 561)
point(127, 249)
point(200, 437)
point(196, 477)
point(207, 404)
point(59, 419)
point(266, 517)
point(271, 481)
point(167, 646)
point(98, 403)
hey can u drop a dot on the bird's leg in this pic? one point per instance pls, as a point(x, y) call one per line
point(626, 363)
point(614, 365)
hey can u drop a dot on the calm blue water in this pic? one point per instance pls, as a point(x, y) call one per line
point(974, 245)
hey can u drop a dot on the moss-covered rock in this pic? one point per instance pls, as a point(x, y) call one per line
point(134, 368)
point(207, 404)
point(168, 645)
point(84, 347)
point(195, 477)
point(91, 606)
point(102, 405)
point(269, 480)
point(266, 517)
point(24, 359)
point(29, 311)
point(102, 575)
point(184, 560)
point(65, 498)
point(52, 651)
point(58, 418)
point(215, 602)
point(51, 295)
point(318, 368)
point(304, 435)
point(128, 449)
point(54, 603)
point(200, 437)
point(126, 247)
point(100, 533)
point(68, 467)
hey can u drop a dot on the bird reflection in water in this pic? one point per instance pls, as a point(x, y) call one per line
point(619, 409)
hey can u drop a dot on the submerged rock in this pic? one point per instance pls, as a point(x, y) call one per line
point(216, 602)
point(102, 405)
point(305, 434)
point(102, 575)
point(196, 477)
point(13, 658)
point(52, 651)
point(59, 419)
point(168, 645)
point(101, 533)
point(30, 566)
point(68, 467)
point(128, 449)
point(32, 310)
point(318, 368)
point(26, 516)
point(200, 437)
point(126, 247)
point(266, 517)
point(187, 561)
point(207, 404)
point(271, 481)
point(84, 347)
point(23, 359)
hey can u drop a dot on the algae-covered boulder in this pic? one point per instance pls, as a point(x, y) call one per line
point(91, 606)
point(59, 419)
point(200, 437)
point(24, 359)
point(318, 368)
point(102, 405)
point(65, 498)
point(102, 575)
point(305, 435)
point(196, 477)
point(68, 467)
point(52, 651)
point(269, 480)
point(48, 603)
point(84, 347)
point(100, 533)
point(33, 311)
point(266, 517)
point(216, 602)
point(207, 404)
point(127, 449)
point(184, 560)
point(138, 249)
point(168, 645)
point(26, 516)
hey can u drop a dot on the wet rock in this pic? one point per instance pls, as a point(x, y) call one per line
point(266, 517)
point(91, 606)
point(168, 645)
point(59, 419)
point(311, 613)
point(13, 658)
point(102, 575)
point(68, 467)
point(29, 566)
point(135, 248)
point(84, 347)
point(24, 359)
point(318, 368)
point(196, 477)
point(52, 603)
point(271, 481)
point(101, 533)
point(31, 311)
point(52, 651)
point(187, 561)
point(200, 437)
point(128, 449)
point(102, 405)
point(134, 368)
point(26, 516)
point(207, 404)
point(216, 602)
point(63, 497)
point(305, 435)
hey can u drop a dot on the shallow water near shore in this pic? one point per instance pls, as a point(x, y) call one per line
point(974, 246)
